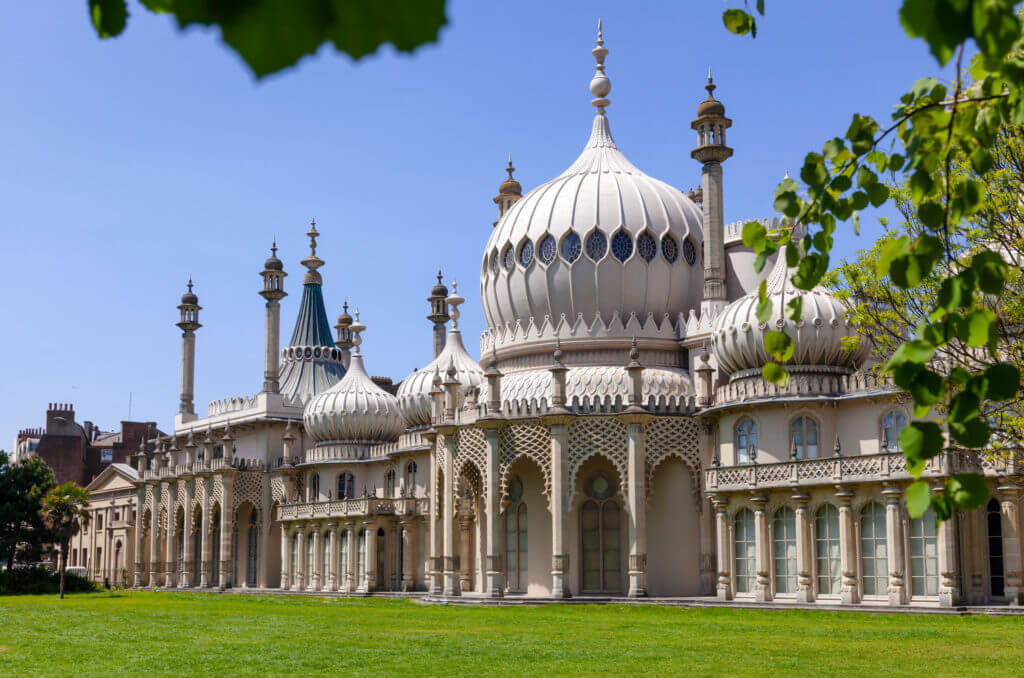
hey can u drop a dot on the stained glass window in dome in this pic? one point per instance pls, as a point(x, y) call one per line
point(597, 245)
point(571, 247)
point(622, 245)
point(494, 264)
point(669, 249)
point(526, 253)
point(689, 252)
point(508, 259)
point(646, 246)
point(547, 250)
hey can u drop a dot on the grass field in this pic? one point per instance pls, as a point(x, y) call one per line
point(157, 634)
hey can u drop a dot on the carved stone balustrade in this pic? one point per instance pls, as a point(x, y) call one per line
point(350, 508)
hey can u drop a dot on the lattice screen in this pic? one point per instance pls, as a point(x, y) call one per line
point(595, 435)
point(674, 437)
point(532, 441)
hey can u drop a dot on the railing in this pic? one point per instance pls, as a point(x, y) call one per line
point(352, 508)
point(802, 385)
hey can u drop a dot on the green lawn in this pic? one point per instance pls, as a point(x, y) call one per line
point(195, 634)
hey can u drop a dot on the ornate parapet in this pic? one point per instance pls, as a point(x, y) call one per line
point(355, 508)
point(816, 383)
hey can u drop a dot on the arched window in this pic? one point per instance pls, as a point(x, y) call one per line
point(526, 253)
point(622, 245)
point(571, 247)
point(410, 478)
point(597, 245)
point(745, 547)
point(516, 544)
point(669, 249)
point(784, 550)
point(873, 550)
point(893, 424)
point(826, 549)
point(647, 246)
point(389, 483)
point(805, 438)
point(994, 523)
point(746, 441)
point(314, 487)
point(508, 258)
point(253, 550)
point(346, 486)
point(924, 555)
point(547, 249)
point(600, 532)
point(689, 252)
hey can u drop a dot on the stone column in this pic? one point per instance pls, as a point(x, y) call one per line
point(495, 585)
point(466, 522)
point(370, 564)
point(949, 571)
point(636, 508)
point(108, 547)
point(1009, 498)
point(847, 547)
point(140, 504)
point(154, 538)
point(171, 565)
point(286, 556)
point(227, 528)
point(92, 566)
point(272, 346)
point(351, 566)
point(804, 550)
point(204, 526)
point(762, 550)
point(724, 587)
point(897, 591)
point(186, 541)
point(332, 550)
point(559, 427)
point(316, 566)
point(434, 570)
point(300, 558)
point(408, 543)
point(451, 576)
point(188, 370)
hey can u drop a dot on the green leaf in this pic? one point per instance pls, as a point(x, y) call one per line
point(878, 193)
point(921, 184)
point(893, 249)
point(931, 214)
point(754, 235)
point(977, 327)
point(764, 304)
point(913, 351)
point(957, 292)
point(773, 373)
point(991, 271)
point(943, 24)
point(941, 506)
point(973, 433)
point(779, 345)
point(921, 440)
point(796, 308)
point(963, 407)
point(996, 28)
point(968, 490)
point(158, 6)
point(1003, 381)
point(739, 22)
point(919, 497)
point(108, 17)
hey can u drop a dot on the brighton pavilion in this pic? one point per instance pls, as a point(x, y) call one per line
point(609, 434)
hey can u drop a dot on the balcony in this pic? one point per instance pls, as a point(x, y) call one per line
point(355, 508)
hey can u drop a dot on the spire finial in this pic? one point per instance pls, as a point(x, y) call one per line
point(313, 234)
point(454, 300)
point(312, 262)
point(510, 169)
point(190, 283)
point(344, 306)
point(273, 247)
point(357, 330)
point(439, 276)
point(600, 85)
point(710, 87)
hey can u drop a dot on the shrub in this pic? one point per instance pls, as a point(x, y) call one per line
point(29, 580)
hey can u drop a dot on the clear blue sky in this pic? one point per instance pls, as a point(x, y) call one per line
point(127, 164)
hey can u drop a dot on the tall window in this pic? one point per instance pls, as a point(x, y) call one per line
point(516, 552)
point(410, 478)
point(310, 562)
point(343, 566)
point(197, 548)
point(745, 546)
point(253, 548)
point(346, 486)
point(784, 550)
point(600, 529)
point(215, 552)
point(805, 438)
point(381, 559)
point(826, 549)
point(325, 566)
point(361, 559)
point(994, 523)
point(389, 483)
point(746, 441)
point(314, 487)
point(924, 555)
point(873, 550)
point(295, 559)
point(894, 422)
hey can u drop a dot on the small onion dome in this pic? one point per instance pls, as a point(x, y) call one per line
point(711, 105)
point(414, 392)
point(345, 320)
point(439, 290)
point(189, 297)
point(510, 186)
point(355, 410)
point(273, 263)
point(738, 337)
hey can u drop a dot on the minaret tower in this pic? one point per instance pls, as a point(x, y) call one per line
point(189, 323)
point(711, 152)
point(509, 192)
point(438, 313)
point(345, 341)
point(273, 291)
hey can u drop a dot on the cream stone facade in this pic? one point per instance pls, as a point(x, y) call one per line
point(105, 547)
point(614, 439)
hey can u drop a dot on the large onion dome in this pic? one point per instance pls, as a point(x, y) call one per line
point(355, 410)
point(601, 239)
point(738, 336)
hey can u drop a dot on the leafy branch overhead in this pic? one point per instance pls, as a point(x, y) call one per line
point(938, 129)
point(271, 35)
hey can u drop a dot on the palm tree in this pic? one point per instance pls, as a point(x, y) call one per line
point(64, 510)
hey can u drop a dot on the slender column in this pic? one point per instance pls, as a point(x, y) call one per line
point(370, 564)
point(140, 503)
point(351, 566)
point(186, 551)
point(495, 585)
point(894, 545)
point(724, 588)
point(332, 550)
point(434, 570)
point(762, 550)
point(169, 548)
point(408, 543)
point(188, 371)
point(154, 538)
point(286, 553)
point(559, 426)
point(466, 521)
point(300, 559)
point(636, 503)
point(847, 548)
point(93, 560)
point(949, 572)
point(108, 547)
point(1009, 498)
point(204, 526)
point(804, 589)
point(227, 528)
point(316, 566)
point(451, 581)
point(273, 341)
